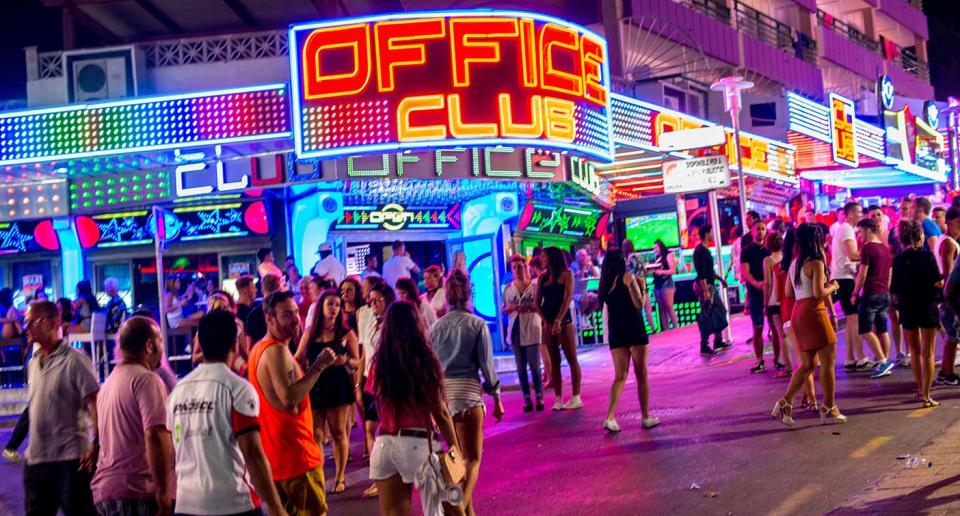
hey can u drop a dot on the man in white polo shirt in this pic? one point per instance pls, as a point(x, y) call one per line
point(212, 414)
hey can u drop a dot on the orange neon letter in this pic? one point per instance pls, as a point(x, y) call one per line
point(316, 84)
point(459, 129)
point(591, 52)
point(552, 78)
point(558, 114)
point(391, 54)
point(528, 53)
point(406, 131)
point(467, 45)
point(511, 129)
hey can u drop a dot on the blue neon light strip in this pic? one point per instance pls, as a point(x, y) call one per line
point(141, 124)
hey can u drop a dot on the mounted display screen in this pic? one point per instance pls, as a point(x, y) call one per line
point(644, 230)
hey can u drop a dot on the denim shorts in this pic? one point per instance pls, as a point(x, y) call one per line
point(755, 302)
point(872, 312)
point(950, 323)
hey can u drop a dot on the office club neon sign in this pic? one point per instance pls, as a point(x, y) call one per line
point(453, 78)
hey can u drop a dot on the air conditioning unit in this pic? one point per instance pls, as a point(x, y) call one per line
point(103, 73)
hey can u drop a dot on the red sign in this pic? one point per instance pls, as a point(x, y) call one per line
point(451, 78)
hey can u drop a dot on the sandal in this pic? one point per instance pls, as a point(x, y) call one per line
point(930, 403)
point(339, 487)
point(370, 492)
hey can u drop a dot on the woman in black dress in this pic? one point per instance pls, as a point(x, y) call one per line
point(554, 294)
point(624, 298)
point(333, 394)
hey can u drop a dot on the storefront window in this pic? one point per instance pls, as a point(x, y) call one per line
point(120, 271)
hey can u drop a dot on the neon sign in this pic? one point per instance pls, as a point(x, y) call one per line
point(394, 217)
point(28, 237)
point(117, 189)
point(452, 163)
point(842, 130)
point(451, 78)
point(562, 220)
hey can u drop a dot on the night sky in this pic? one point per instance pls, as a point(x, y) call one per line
point(30, 23)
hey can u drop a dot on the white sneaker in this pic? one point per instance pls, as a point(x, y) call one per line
point(574, 403)
point(12, 456)
point(611, 425)
point(558, 405)
point(650, 422)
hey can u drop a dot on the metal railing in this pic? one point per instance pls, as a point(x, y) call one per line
point(713, 8)
point(911, 63)
point(849, 31)
point(775, 33)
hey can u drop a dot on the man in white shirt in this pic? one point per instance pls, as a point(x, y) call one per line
point(399, 265)
point(329, 266)
point(843, 268)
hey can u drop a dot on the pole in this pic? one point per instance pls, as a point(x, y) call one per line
point(718, 248)
point(741, 182)
point(158, 255)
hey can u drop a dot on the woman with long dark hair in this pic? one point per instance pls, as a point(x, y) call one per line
point(84, 306)
point(12, 327)
point(554, 294)
point(787, 302)
point(333, 394)
point(379, 296)
point(463, 345)
point(408, 409)
point(351, 294)
point(623, 298)
point(808, 282)
point(407, 290)
point(173, 304)
point(663, 267)
point(916, 283)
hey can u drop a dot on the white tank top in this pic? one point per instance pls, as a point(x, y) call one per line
point(805, 289)
point(773, 301)
point(936, 251)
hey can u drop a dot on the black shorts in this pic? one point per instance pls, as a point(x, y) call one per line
point(773, 310)
point(915, 318)
point(844, 293)
point(369, 407)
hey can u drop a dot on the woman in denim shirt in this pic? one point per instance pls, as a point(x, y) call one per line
point(462, 342)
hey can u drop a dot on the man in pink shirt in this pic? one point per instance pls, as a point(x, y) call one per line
point(133, 474)
point(268, 266)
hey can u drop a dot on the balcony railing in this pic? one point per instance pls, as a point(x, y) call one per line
point(775, 33)
point(712, 8)
point(849, 31)
point(910, 62)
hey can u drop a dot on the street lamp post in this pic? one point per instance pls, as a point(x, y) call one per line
point(731, 87)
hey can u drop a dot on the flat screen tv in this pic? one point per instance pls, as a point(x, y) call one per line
point(644, 230)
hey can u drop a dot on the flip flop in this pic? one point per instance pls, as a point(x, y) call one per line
point(371, 492)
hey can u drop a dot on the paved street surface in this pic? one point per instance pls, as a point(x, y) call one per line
point(718, 450)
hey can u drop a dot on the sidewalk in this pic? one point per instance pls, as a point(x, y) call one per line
point(931, 486)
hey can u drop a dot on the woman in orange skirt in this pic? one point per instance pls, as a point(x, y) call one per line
point(787, 303)
point(807, 282)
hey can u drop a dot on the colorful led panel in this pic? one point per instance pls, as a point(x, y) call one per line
point(394, 217)
point(175, 121)
point(559, 220)
point(450, 78)
point(116, 190)
point(28, 237)
point(30, 199)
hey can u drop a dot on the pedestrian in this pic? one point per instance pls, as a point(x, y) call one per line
point(256, 322)
point(916, 283)
point(379, 298)
point(462, 343)
point(873, 280)
point(12, 327)
point(713, 314)
point(221, 300)
point(246, 296)
point(664, 266)
point(921, 214)
point(290, 271)
point(435, 296)
point(554, 295)
point(751, 272)
point(116, 310)
point(407, 408)
point(787, 303)
point(939, 217)
point(62, 391)
point(133, 472)
point(329, 266)
point(286, 421)
point(333, 394)
point(948, 251)
point(772, 294)
point(809, 283)
point(83, 307)
point(893, 242)
point(174, 304)
point(369, 266)
point(623, 297)
point(843, 269)
point(351, 297)
point(399, 265)
point(536, 270)
point(268, 267)
point(523, 330)
point(407, 289)
point(213, 415)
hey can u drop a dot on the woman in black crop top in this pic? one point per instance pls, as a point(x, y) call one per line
point(554, 294)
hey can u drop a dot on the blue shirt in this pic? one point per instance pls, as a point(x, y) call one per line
point(463, 345)
point(930, 229)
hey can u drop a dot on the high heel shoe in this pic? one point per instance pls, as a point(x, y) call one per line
point(781, 414)
point(826, 411)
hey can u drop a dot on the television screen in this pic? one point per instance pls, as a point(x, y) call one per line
point(644, 230)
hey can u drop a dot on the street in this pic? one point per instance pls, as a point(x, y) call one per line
point(718, 451)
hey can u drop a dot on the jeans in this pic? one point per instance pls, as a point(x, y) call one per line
point(529, 356)
point(57, 485)
point(20, 431)
point(705, 305)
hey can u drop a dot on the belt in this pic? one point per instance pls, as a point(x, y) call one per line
point(409, 432)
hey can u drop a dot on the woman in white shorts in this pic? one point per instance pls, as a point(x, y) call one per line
point(407, 409)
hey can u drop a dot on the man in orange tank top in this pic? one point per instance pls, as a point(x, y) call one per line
point(286, 422)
